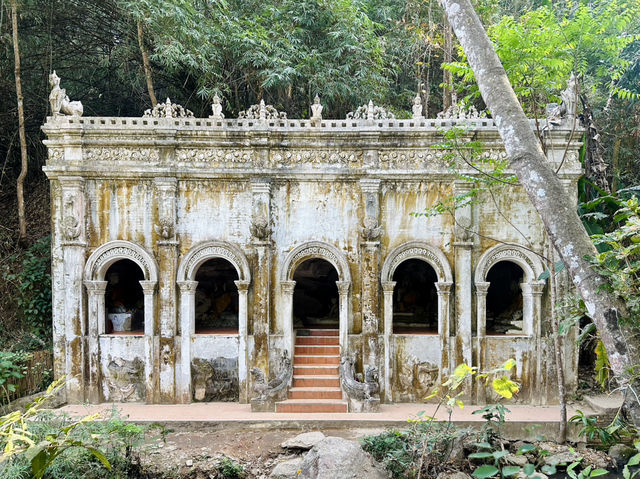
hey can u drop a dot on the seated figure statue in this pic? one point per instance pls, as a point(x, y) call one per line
point(60, 103)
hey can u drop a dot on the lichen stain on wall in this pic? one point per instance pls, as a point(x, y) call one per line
point(213, 209)
point(508, 216)
point(315, 211)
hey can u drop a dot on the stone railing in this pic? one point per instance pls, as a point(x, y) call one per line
point(106, 123)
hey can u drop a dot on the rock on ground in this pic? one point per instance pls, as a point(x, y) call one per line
point(621, 453)
point(304, 441)
point(337, 458)
point(453, 475)
point(287, 469)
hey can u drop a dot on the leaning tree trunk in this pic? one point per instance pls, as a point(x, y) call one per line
point(549, 198)
point(22, 222)
point(146, 65)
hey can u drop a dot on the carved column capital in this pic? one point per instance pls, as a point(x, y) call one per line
point(443, 287)
point(243, 286)
point(96, 287)
point(534, 288)
point(188, 287)
point(388, 286)
point(287, 287)
point(76, 182)
point(166, 183)
point(482, 288)
point(260, 186)
point(371, 246)
point(370, 185)
point(148, 287)
point(343, 287)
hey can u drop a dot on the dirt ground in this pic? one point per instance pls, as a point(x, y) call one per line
point(196, 451)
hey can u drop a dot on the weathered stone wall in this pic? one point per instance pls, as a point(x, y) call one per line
point(170, 193)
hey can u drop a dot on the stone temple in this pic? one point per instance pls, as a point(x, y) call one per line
point(276, 261)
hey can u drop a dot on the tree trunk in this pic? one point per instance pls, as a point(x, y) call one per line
point(557, 350)
point(447, 78)
point(548, 197)
point(24, 166)
point(147, 65)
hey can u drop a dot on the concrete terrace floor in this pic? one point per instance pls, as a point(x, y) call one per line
point(523, 422)
point(234, 412)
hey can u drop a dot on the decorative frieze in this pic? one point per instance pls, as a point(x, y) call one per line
point(506, 254)
point(122, 252)
point(289, 158)
point(121, 154)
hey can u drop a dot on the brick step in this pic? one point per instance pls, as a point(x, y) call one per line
point(313, 369)
point(317, 350)
point(300, 359)
point(311, 406)
point(317, 332)
point(318, 340)
point(316, 381)
point(315, 393)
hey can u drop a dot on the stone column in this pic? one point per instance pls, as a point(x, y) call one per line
point(532, 327)
point(444, 325)
point(167, 267)
point(370, 271)
point(73, 250)
point(243, 288)
point(261, 241)
point(149, 288)
point(482, 288)
point(343, 292)
point(187, 329)
point(370, 275)
point(387, 288)
point(96, 320)
point(463, 245)
point(287, 288)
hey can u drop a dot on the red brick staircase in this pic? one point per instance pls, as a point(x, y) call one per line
point(316, 374)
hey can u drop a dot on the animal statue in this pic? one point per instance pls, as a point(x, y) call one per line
point(59, 101)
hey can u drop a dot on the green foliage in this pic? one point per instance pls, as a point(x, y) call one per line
point(602, 366)
point(469, 160)
point(619, 258)
point(400, 451)
point(586, 473)
point(34, 288)
point(231, 469)
point(633, 461)
point(37, 443)
point(590, 429)
point(542, 47)
point(12, 366)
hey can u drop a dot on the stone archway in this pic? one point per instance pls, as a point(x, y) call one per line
point(327, 252)
point(532, 268)
point(94, 280)
point(186, 274)
point(438, 261)
point(532, 290)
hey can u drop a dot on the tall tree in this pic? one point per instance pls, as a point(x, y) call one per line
point(22, 222)
point(548, 196)
point(146, 64)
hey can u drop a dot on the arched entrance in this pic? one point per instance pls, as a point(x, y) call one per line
point(214, 279)
point(509, 309)
point(315, 296)
point(415, 298)
point(124, 298)
point(416, 280)
point(323, 262)
point(120, 278)
point(504, 313)
point(216, 300)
